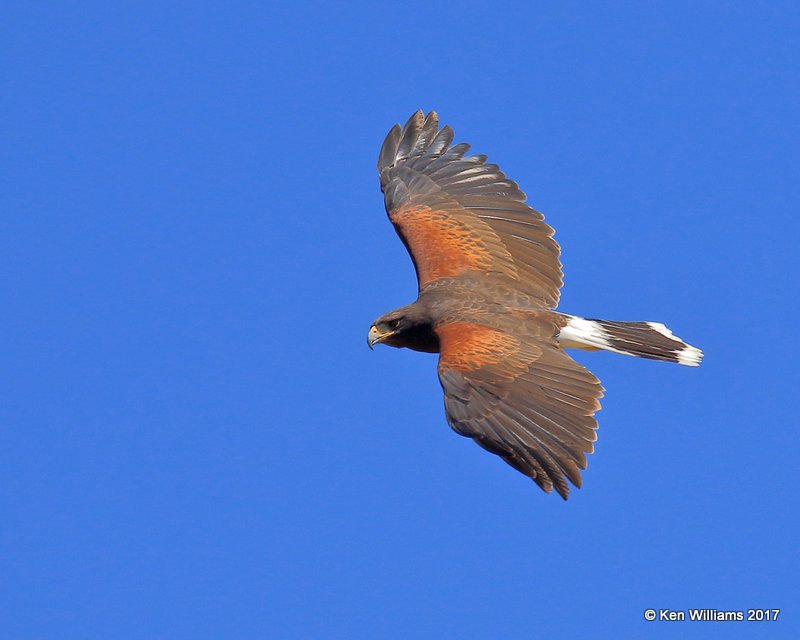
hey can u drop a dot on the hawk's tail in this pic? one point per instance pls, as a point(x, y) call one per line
point(644, 339)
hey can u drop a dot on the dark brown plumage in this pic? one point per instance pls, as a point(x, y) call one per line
point(489, 278)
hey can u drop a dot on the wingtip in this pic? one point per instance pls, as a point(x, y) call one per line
point(389, 147)
point(415, 120)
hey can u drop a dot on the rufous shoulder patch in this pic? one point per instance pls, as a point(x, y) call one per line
point(466, 346)
point(441, 244)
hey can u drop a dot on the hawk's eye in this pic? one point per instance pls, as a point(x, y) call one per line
point(394, 324)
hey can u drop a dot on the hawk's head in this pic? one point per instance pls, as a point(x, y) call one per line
point(408, 326)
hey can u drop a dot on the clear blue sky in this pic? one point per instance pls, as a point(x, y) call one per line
point(195, 440)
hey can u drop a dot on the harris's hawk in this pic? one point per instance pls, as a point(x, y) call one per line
point(489, 277)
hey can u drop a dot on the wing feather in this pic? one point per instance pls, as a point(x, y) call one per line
point(519, 396)
point(420, 168)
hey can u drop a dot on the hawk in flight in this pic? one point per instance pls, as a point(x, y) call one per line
point(489, 277)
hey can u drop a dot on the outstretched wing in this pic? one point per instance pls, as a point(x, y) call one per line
point(457, 213)
point(523, 399)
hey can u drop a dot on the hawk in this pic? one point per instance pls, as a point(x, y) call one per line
point(489, 277)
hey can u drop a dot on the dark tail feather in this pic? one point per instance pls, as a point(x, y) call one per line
point(643, 339)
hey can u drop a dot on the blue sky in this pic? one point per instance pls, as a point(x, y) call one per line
point(196, 441)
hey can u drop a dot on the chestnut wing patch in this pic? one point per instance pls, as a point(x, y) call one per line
point(520, 398)
point(457, 213)
point(444, 244)
point(466, 346)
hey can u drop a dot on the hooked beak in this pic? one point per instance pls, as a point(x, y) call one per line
point(375, 337)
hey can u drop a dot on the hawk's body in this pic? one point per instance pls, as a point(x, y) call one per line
point(489, 279)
